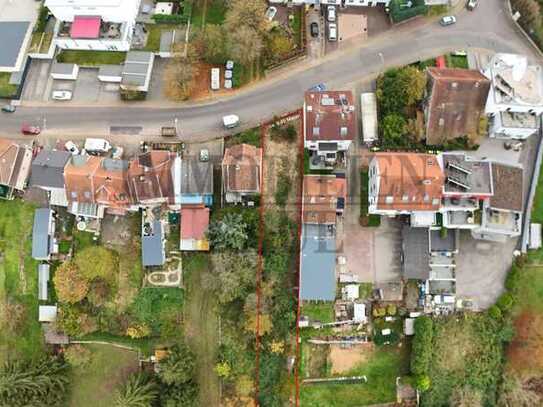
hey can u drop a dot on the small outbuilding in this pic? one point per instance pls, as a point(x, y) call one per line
point(47, 313)
point(137, 69)
point(110, 73)
point(43, 242)
point(64, 71)
point(43, 282)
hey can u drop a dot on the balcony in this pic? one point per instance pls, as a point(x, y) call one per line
point(107, 31)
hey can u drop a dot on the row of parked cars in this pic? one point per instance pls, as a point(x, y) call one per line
point(331, 18)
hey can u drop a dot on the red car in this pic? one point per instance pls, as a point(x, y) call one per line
point(30, 130)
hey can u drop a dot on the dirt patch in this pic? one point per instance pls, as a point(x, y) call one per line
point(343, 360)
point(525, 354)
point(316, 360)
point(281, 164)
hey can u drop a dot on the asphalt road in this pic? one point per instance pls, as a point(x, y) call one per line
point(488, 27)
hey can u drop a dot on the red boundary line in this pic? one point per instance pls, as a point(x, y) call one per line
point(263, 128)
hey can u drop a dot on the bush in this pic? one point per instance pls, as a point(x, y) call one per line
point(421, 355)
point(513, 278)
point(282, 189)
point(423, 382)
point(379, 339)
point(170, 18)
point(495, 312)
point(42, 19)
point(391, 309)
point(77, 355)
point(505, 302)
point(379, 312)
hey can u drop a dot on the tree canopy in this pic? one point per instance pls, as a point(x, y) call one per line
point(70, 285)
point(228, 233)
point(178, 366)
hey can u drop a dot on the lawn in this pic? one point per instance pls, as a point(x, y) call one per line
point(381, 368)
point(537, 210)
point(202, 326)
point(456, 61)
point(18, 281)
point(323, 312)
point(154, 32)
point(6, 89)
point(83, 240)
point(92, 58)
point(208, 12)
point(94, 385)
point(251, 136)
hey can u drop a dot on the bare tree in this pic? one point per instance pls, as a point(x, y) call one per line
point(180, 73)
point(245, 45)
point(246, 13)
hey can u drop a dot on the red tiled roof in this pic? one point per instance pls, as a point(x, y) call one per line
point(327, 118)
point(150, 177)
point(194, 222)
point(242, 168)
point(409, 182)
point(457, 100)
point(321, 193)
point(85, 27)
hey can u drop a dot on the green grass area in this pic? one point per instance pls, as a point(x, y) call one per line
point(323, 312)
point(154, 31)
point(439, 10)
point(381, 369)
point(41, 42)
point(528, 291)
point(64, 246)
point(91, 58)
point(365, 218)
point(241, 75)
point(251, 136)
point(18, 282)
point(537, 210)
point(296, 25)
point(83, 240)
point(456, 61)
point(94, 385)
point(208, 12)
point(6, 89)
point(202, 326)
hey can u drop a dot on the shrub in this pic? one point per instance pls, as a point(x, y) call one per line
point(70, 285)
point(421, 355)
point(513, 278)
point(391, 309)
point(505, 302)
point(42, 19)
point(379, 312)
point(379, 339)
point(138, 331)
point(282, 189)
point(495, 312)
point(423, 382)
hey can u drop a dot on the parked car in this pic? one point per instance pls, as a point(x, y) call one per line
point(8, 109)
point(331, 13)
point(61, 95)
point(332, 32)
point(314, 29)
point(227, 74)
point(204, 155)
point(447, 20)
point(271, 12)
point(471, 4)
point(230, 121)
point(215, 78)
point(321, 87)
point(97, 146)
point(515, 145)
point(229, 64)
point(71, 147)
point(30, 130)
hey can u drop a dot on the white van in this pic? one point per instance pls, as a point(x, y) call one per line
point(230, 121)
point(97, 146)
point(332, 32)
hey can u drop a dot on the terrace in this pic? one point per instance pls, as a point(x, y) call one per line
point(91, 28)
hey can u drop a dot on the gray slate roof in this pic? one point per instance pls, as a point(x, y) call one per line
point(152, 248)
point(415, 252)
point(318, 277)
point(48, 169)
point(12, 35)
point(196, 177)
point(41, 241)
point(43, 279)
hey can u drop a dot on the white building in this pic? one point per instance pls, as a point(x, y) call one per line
point(104, 25)
point(515, 100)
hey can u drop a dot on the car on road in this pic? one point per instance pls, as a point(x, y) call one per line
point(447, 20)
point(314, 29)
point(230, 121)
point(71, 147)
point(271, 12)
point(8, 109)
point(332, 32)
point(471, 4)
point(29, 130)
point(61, 95)
point(321, 87)
point(331, 14)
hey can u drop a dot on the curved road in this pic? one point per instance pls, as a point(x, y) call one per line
point(488, 27)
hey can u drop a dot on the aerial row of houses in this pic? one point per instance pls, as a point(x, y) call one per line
point(437, 194)
point(90, 187)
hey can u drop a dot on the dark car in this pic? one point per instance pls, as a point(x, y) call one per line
point(30, 130)
point(8, 109)
point(314, 28)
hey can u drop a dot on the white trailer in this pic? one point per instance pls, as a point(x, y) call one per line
point(368, 107)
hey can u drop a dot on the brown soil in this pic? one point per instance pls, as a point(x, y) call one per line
point(282, 158)
point(343, 360)
point(525, 354)
point(316, 359)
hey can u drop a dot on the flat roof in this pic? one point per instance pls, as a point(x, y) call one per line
point(12, 36)
point(466, 176)
point(368, 106)
point(41, 244)
point(318, 262)
point(110, 70)
point(152, 248)
point(519, 120)
point(62, 68)
point(415, 250)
